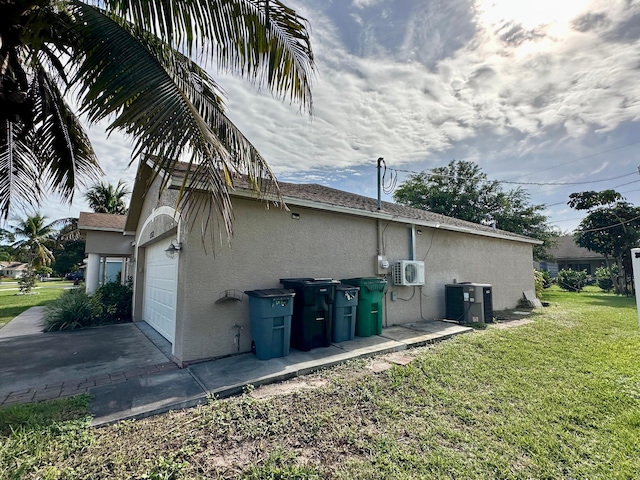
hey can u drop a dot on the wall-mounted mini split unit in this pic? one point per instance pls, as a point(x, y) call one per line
point(408, 273)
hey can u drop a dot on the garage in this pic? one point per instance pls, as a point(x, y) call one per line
point(160, 289)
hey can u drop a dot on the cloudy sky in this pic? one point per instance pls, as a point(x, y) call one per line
point(536, 92)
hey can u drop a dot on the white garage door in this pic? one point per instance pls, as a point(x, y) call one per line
point(160, 289)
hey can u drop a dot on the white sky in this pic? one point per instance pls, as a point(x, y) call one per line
point(543, 92)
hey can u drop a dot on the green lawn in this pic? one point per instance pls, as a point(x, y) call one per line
point(12, 304)
point(558, 398)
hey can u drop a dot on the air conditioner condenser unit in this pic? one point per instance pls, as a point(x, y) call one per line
point(408, 273)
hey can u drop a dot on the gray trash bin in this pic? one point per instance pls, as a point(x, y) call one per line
point(344, 313)
point(271, 312)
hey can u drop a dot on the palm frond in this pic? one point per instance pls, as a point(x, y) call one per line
point(167, 103)
point(59, 141)
point(19, 170)
point(263, 40)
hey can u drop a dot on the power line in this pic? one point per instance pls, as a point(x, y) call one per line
point(610, 226)
point(622, 185)
point(635, 172)
point(581, 158)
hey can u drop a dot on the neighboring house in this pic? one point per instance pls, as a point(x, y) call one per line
point(13, 269)
point(568, 255)
point(108, 249)
point(325, 232)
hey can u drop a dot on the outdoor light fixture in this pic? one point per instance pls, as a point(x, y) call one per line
point(295, 216)
point(174, 248)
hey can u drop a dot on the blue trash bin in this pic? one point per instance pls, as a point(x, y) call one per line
point(344, 313)
point(270, 312)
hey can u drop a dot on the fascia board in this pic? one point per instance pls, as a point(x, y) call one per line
point(244, 193)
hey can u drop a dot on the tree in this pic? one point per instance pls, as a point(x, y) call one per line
point(36, 239)
point(68, 254)
point(611, 228)
point(105, 198)
point(461, 190)
point(133, 63)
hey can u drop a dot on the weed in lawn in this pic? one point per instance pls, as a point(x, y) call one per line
point(32, 436)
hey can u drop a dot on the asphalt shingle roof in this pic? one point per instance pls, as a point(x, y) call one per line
point(568, 250)
point(322, 195)
point(101, 221)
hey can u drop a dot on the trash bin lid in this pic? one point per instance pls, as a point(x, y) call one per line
point(360, 281)
point(371, 284)
point(295, 280)
point(270, 293)
point(346, 288)
point(308, 282)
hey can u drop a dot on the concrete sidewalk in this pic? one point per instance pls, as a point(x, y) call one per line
point(129, 376)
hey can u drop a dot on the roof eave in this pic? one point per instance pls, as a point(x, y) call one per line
point(381, 215)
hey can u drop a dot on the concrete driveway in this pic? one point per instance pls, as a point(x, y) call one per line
point(128, 376)
point(30, 359)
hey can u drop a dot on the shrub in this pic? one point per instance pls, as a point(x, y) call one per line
point(604, 279)
point(539, 281)
point(572, 280)
point(73, 309)
point(113, 301)
point(27, 281)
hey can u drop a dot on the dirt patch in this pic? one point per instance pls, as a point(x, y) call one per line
point(400, 358)
point(288, 387)
point(512, 323)
point(515, 314)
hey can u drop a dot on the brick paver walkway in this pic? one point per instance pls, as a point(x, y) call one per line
point(78, 386)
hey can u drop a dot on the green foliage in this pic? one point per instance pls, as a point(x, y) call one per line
point(110, 304)
point(72, 310)
point(281, 466)
point(113, 301)
point(572, 280)
point(539, 282)
point(165, 468)
point(603, 277)
point(44, 271)
point(27, 281)
point(611, 227)
point(106, 198)
point(7, 253)
point(131, 65)
point(35, 240)
point(461, 190)
point(68, 254)
point(29, 434)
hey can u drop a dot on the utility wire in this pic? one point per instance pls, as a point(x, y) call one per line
point(622, 185)
point(635, 172)
point(581, 158)
point(610, 226)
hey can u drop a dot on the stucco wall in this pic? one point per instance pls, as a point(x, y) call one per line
point(108, 243)
point(267, 245)
point(270, 244)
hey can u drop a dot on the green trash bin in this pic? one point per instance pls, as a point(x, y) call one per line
point(271, 312)
point(370, 311)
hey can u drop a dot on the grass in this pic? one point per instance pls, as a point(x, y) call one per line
point(12, 304)
point(556, 398)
